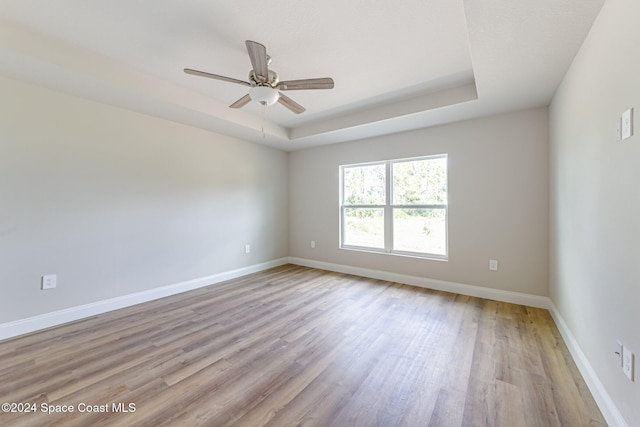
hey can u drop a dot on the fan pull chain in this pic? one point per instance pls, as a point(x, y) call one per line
point(264, 107)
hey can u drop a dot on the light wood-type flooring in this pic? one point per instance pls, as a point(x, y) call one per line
point(295, 346)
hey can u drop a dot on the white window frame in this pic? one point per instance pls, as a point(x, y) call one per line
point(388, 209)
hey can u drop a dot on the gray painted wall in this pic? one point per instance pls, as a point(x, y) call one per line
point(498, 201)
point(595, 200)
point(115, 202)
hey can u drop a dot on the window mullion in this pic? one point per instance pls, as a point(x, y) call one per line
point(420, 206)
point(388, 211)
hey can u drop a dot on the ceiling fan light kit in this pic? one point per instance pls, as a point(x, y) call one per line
point(264, 95)
point(265, 84)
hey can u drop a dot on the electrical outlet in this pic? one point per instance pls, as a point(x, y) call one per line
point(493, 264)
point(313, 244)
point(627, 362)
point(247, 248)
point(617, 350)
point(49, 281)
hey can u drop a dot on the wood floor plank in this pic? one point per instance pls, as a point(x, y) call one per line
point(297, 346)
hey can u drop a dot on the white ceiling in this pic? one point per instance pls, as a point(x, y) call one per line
point(396, 65)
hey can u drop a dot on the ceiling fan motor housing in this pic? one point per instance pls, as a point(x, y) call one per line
point(272, 79)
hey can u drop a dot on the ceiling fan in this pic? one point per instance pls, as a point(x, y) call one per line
point(265, 85)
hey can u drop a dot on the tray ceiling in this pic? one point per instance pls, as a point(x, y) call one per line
point(395, 67)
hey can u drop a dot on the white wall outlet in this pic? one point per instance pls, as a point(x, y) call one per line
point(627, 362)
point(617, 351)
point(49, 281)
point(627, 124)
point(313, 244)
point(493, 264)
point(247, 248)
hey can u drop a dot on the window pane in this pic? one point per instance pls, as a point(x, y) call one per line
point(420, 182)
point(364, 227)
point(420, 230)
point(364, 185)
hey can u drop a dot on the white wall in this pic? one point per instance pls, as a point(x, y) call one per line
point(115, 202)
point(595, 200)
point(498, 201)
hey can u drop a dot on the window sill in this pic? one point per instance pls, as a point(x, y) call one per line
point(429, 257)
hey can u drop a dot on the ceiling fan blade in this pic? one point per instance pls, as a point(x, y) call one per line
point(290, 104)
point(258, 56)
point(215, 76)
point(321, 83)
point(241, 102)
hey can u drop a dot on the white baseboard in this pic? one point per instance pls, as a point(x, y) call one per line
point(47, 320)
point(609, 410)
point(438, 285)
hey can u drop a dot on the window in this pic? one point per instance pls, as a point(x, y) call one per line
point(397, 206)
